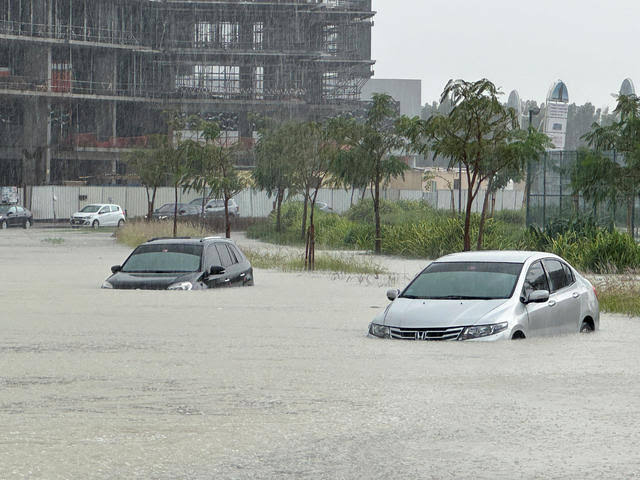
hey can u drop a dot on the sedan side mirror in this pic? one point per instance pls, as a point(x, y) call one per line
point(116, 268)
point(393, 293)
point(216, 270)
point(538, 296)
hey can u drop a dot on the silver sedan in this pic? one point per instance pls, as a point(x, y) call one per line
point(490, 296)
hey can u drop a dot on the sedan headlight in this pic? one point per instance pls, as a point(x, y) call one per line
point(379, 330)
point(477, 331)
point(180, 286)
point(106, 284)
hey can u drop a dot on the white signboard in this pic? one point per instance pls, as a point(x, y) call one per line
point(556, 124)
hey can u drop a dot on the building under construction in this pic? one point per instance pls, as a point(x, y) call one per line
point(82, 82)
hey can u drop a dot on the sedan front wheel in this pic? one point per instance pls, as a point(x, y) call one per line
point(95, 224)
point(586, 327)
point(4, 225)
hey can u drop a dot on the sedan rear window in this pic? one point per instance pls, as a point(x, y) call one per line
point(167, 258)
point(465, 280)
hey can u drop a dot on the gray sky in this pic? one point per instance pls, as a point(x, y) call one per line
point(517, 44)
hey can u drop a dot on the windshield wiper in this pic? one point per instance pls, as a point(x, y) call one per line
point(458, 297)
point(413, 297)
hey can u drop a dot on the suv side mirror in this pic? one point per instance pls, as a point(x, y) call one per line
point(393, 293)
point(216, 270)
point(538, 296)
point(116, 268)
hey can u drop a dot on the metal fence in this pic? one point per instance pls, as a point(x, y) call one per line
point(551, 196)
point(52, 202)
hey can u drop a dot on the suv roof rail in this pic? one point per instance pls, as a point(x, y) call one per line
point(168, 238)
point(211, 238)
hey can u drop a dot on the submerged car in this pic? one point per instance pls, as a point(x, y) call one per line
point(490, 296)
point(99, 215)
point(15, 216)
point(182, 264)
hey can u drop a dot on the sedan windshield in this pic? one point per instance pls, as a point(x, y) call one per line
point(90, 209)
point(4, 208)
point(465, 281)
point(167, 258)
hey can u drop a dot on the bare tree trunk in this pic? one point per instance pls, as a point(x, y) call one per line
point(629, 215)
point(304, 213)
point(227, 225)
point(204, 202)
point(493, 204)
point(175, 211)
point(310, 244)
point(376, 211)
point(279, 198)
point(149, 211)
point(467, 221)
point(453, 203)
point(483, 215)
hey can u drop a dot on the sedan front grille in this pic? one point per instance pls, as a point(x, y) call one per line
point(443, 333)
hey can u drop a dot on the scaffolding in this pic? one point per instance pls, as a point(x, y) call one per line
point(111, 67)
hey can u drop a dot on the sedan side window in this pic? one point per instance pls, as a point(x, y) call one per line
point(536, 279)
point(568, 274)
point(103, 210)
point(557, 275)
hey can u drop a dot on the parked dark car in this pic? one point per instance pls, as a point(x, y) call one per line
point(15, 216)
point(185, 211)
point(182, 264)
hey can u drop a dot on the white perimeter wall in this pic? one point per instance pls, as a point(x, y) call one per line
point(253, 203)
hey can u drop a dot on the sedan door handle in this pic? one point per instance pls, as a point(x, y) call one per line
point(242, 274)
point(226, 280)
point(552, 303)
point(575, 294)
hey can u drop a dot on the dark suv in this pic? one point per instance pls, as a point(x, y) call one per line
point(182, 264)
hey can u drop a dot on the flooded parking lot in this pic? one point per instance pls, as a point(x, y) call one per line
point(280, 381)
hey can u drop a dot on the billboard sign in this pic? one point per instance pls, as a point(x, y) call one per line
point(8, 194)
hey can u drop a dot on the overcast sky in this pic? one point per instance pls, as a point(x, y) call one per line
point(517, 44)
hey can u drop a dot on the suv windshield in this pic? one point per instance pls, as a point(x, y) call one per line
point(91, 208)
point(164, 258)
point(465, 281)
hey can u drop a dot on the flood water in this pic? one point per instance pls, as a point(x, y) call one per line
point(279, 381)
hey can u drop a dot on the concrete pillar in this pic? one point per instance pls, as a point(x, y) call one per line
point(36, 141)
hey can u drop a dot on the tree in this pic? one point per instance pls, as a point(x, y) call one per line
point(175, 159)
point(276, 157)
point(149, 165)
point(322, 145)
point(370, 148)
point(477, 133)
point(508, 160)
point(623, 138)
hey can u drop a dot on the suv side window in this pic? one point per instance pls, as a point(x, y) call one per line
point(536, 279)
point(235, 253)
point(212, 257)
point(557, 275)
point(225, 256)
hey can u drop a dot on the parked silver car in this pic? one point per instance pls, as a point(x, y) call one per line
point(215, 207)
point(490, 296)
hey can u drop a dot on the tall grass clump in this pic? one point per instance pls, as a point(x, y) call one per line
point(134, 233)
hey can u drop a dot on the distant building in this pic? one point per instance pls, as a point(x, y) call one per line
point(627, 87)
point(556, 113)
point(83, 82)
point(515, 103)
point(407, 92)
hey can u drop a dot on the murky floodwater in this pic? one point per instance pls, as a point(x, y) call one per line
point(279, 381)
